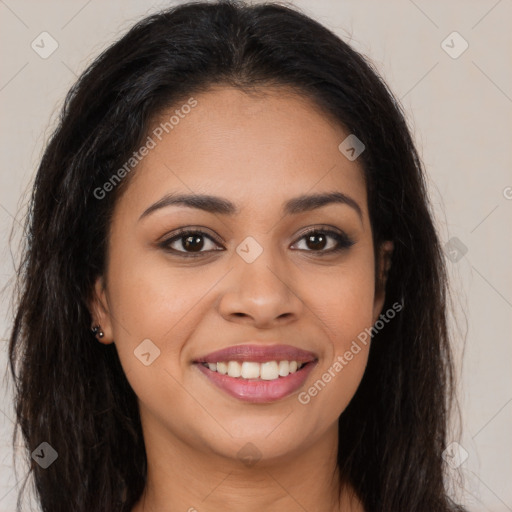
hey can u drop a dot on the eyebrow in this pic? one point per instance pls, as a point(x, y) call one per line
point(219, 205)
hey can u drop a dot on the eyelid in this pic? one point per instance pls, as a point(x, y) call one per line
point(185, 231)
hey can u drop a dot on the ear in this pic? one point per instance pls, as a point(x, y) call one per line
point(383, 266)
point(98, 306)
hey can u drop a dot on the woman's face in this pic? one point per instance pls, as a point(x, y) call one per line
point(252, 281)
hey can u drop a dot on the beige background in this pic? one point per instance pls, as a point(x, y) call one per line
point(460, 111)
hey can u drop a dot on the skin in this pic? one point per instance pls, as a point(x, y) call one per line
point(256, 150)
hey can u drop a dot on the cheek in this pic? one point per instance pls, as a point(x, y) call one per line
point(347, 302)
point(150, 319)
point(149, 297)
point(347, 315)
point(339, 374)
point(148, 305)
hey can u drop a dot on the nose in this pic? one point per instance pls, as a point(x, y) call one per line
point(260, 293)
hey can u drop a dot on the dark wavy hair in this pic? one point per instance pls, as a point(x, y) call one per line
point(71, 392)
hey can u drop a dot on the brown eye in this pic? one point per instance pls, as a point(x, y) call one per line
point(189, 242)
point(316, 241)
point(192, 242)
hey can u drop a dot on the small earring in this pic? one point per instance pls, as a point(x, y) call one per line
point(96, 330)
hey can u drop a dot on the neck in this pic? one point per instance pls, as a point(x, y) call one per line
point(180, 477)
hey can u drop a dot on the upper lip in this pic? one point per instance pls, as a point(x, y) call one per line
point(259, 354)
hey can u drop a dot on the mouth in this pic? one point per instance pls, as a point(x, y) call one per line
point(258, 374)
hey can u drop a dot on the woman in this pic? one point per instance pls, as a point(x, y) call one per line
point(233, 292)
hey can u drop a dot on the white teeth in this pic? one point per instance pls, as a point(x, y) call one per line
point(284, 368)
point(269, 370)
point(250, 370)
point(234, 369)
point(222, 368)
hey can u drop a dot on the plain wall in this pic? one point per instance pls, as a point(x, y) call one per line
point(458, 108)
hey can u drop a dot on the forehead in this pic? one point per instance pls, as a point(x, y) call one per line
point(256, 148)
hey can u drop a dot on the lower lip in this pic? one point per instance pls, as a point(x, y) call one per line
point(256, 390)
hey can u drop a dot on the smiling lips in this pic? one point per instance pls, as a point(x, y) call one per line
point(258, 373)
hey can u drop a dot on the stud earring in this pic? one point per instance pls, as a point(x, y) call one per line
point(96, 330)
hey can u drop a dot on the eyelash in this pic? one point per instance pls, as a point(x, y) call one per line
point(343, 241)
